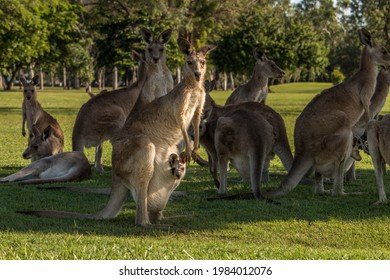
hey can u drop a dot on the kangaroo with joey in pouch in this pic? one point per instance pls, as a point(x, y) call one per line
point(323, 131)
point(104, 115)
point(142, 149)
point(256, 89)
point(245, 147)
point(42, 127)
point(378, 100)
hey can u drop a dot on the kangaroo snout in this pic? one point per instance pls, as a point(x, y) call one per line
point(155, 59)
point(197, 76)
point(26, 155)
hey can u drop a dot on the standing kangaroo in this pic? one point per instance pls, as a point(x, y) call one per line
point(378, 133)
point(38, 122)
point(280, 144)
point(256, 89)
point(323, 132)
point(246, 139)
point(142, 149)
point(104, 115)
point(377, 102)
point(62, 167)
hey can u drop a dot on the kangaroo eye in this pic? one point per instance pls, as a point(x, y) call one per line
point(189, 62)
point(35, 147)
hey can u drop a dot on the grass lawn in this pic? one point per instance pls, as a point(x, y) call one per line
point(302, 226)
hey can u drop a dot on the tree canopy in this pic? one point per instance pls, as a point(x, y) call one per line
point(308, 39)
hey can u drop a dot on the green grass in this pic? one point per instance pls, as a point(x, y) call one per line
point(302, 226)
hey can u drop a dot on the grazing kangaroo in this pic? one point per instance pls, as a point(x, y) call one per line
point(104, 115)
point(378, 100)
point(323, 132)
point(142, 149)
point(213, 112)
point(378, 133)
point(62, 167)
point(256, 89)
point(40, 124)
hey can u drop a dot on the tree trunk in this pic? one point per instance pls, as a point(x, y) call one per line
point(76, 80)
point(52, 79)
point(1, 81)
point(41, 82)
point(231, 80)
point(178, 74)
point(64, 77)
point(224, 81)
point(115, 78)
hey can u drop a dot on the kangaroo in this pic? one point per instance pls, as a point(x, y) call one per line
point(61, 167)
point(378, 133)
point(39, 124)
point(141, 150)
point(247, 139)
point(161, 81)
point(212, 112)
point(112, 108)
point(256, 89)
point(323, 131)
point(378, 100)
point(104, 114)
point(43, 144)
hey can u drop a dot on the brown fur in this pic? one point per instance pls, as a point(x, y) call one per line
point(213, 112)
point(378, 133)
point(38, 120)
point(62, 167)
point(323, 131)
point(104, 115)
point(141, 150)
point(256, 89)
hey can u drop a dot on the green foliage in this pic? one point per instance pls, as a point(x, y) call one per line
point(337, 76)
point(302, 226)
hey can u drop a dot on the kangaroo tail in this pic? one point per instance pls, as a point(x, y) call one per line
point(300, 166)
point(79, 189)
point(59, 214)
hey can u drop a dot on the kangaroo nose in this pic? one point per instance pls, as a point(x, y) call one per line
point(197, 76)
point(155, 59)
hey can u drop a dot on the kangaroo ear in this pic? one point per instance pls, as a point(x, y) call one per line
point(35, 81)
point(137, 56)
point(23, 81)
point(184, 46)
point(259, 55)
point(207, 48)
point(165, 36)
point(366, 38)
point(35, 131)
point(211, 85)
point(47, 133)
point(147, 35)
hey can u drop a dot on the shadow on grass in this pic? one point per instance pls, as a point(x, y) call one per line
point(299, 204)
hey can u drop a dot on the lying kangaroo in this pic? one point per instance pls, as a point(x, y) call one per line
point(246, 139)
point(39, 123)
point(43, 144)
point(256, 89)
point(378, 100)
point(141, 150)
point(213, 112)
point(62, 167)
point(323, 132)
point(378, 133)
point(104, 115)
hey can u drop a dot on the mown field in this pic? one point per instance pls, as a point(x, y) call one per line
point(301, 226)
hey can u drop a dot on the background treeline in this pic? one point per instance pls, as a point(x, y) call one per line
point(88, 42)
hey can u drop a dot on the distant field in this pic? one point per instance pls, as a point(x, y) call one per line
point(302, 226)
